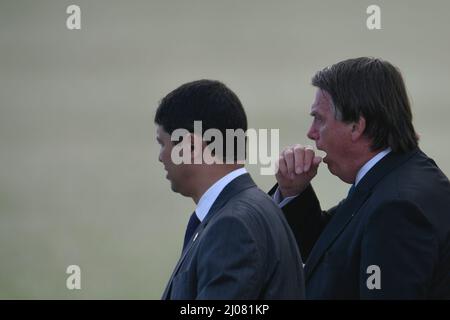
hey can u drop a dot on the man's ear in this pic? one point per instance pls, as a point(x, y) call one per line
point(358, 128)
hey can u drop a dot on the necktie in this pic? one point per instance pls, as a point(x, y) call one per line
point(192, 225)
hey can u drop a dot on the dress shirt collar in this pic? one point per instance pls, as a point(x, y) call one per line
point(369, 165)
point(209, 197)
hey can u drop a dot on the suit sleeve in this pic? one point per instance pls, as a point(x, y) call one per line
point(229, 265)
point(306, 219)
point(398, 253)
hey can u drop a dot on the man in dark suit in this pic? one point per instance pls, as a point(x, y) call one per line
point(390, 237)
point(238, 244)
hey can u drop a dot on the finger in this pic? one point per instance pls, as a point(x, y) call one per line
point(316, 161)
point(282, 169)
point(289, 159)
point(309, 156)
point(299, 154)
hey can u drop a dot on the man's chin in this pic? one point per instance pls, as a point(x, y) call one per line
point(329, 165)
point(173, 187)
point(332, 170)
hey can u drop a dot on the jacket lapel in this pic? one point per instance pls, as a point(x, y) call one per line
point(348, 208)
point(236, 186)
point(343, 215)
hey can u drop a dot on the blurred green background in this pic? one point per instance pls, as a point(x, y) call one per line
point(79, 178)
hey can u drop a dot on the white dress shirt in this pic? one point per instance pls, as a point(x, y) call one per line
point(361, 173)
point(206, 201)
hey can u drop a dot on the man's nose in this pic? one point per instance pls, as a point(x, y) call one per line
point(311, 133)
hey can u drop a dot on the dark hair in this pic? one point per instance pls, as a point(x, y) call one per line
point(208, 101)
point(374, 89)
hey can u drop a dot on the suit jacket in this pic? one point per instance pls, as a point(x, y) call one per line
point(244, 249)
point(397, 220)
